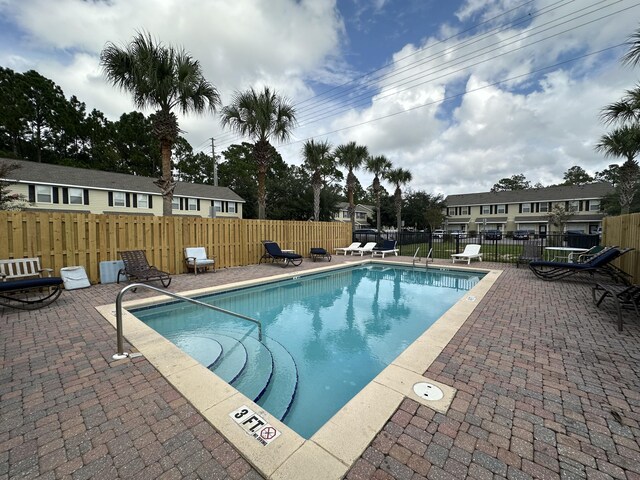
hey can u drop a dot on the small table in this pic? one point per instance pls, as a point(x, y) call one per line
point(570, 251)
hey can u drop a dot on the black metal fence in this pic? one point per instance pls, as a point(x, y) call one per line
point(506, 248)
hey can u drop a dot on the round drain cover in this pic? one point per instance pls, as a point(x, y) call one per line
point(428, 391)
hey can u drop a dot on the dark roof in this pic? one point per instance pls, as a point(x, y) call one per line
point(50, 174)
point(547, 194)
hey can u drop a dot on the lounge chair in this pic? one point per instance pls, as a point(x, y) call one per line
point(137, 269)
point(368, 248)
point(195, 258)
point(471, 251)
point(317, 252)
point(600, 264)
point(274, 252)
point(350, 248)
point(589, 254)
point(622, 295)
point(531, 252)
point(388, 246)
point(18, 288)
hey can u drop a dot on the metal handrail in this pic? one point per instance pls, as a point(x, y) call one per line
point(121, 354)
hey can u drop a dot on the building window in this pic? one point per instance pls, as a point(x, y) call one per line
point(231, 207)
point(76, 196)
point(485, 209)
point(451, 211)
point(502, 209)
point(544, 207)
point(574, 205)
point(193, 204)
point(217, 206)
point(175, 203)
point(594, 205)
point(119, 199)
point(464, 210)
point(526, 208)
point(44, 194)
point(345, 214)
point(361, 215)
point(143, 200)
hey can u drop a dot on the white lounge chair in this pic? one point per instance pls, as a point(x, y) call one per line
point(388, 246)
point(368, 248)
point(471, 250)
point(196, 258)
point(350, 248)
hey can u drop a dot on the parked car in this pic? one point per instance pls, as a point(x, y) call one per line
point(438, 233)
point(521, 235)
point(365, 235)
point(458, 233)
point(493, 235)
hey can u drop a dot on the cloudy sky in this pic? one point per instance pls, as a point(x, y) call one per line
point(461, 93)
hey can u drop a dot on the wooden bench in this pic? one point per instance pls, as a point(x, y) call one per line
point(22, 284)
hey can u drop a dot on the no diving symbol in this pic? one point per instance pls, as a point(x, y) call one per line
point(268, 433)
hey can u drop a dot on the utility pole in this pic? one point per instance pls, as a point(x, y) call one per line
point(215, 165)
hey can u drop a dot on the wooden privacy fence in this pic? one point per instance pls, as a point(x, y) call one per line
point(624, 231)
point(80, 239)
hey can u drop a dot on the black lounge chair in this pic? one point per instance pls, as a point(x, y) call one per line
point(317, 252)
point(622, 295)
point(600, 264)
point(273, 251)
point(30, 293)
point(137, 269)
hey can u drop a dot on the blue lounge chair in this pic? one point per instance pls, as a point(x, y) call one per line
point(599, 264)
point(388, 246)
point(622, 295)
point(274, 252)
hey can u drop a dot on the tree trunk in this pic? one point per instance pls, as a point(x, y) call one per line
point(376, 190)
point(316, 202)
point(168, 185)
point(352, 207)
point(398, 201)
point(262, 192)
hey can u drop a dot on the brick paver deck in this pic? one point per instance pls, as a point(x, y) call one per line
point(547, 388)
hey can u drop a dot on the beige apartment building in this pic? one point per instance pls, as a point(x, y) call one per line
point(528, 209)
point(60, 188)
point(362, 212)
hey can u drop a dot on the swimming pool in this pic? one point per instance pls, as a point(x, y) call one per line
point(325, 335)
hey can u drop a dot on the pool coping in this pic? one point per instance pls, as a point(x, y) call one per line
point(332, 450)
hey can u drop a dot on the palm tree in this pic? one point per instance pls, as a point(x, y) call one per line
point(162, 78)
point(624, 142)
point(318, 161)
point(625, 110)
point(379, 166)
point(399, 177)
point(262, 116)
point(351, 156)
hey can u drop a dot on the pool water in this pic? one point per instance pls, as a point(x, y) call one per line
point(325, 335)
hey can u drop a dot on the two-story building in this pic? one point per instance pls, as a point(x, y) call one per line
point(362, 213)
point(60, 188)
point(528, 209)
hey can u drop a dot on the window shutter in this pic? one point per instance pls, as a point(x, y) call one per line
point(566, 206)
point(537, 207)
point(128, 200)
point(198, 204)
point(135, 200)
point(111, 199)
point(32, 193)
point(506, 208)
point(520, 208)
point(55, 195)
point(65, 195)
point(85, 193)
point(150, 201)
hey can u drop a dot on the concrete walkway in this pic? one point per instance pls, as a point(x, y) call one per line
point(547, 388)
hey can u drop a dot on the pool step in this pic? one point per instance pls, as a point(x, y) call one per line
point(263, 371)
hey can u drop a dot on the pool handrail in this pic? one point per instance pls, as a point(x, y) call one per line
point(119, 335)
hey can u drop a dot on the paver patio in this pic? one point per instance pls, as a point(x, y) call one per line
point(547, 388)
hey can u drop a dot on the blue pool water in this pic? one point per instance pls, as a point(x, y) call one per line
point(325, 336)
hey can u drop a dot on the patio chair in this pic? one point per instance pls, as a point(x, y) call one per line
point(388, 246)
point(18, 288)
point(622, 295)
point(368, 248)
point(600, 264)
point(137, 269)
point(471, 251)
point(350, 248)
point(531, 252)
point(589, 254)
point(317, 252)
point(276, 254)
point(195, 258)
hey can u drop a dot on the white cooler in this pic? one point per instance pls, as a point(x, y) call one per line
point(74, 277)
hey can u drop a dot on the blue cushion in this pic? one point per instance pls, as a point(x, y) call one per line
point(29, 283)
